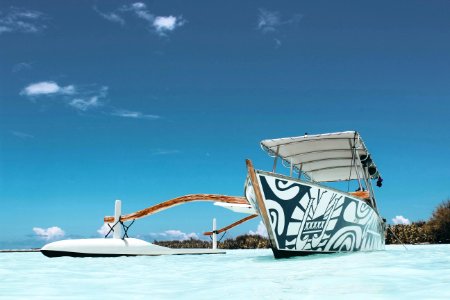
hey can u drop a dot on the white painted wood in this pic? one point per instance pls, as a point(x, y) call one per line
point(239, 208)
point(214, 235)
point(118, 227)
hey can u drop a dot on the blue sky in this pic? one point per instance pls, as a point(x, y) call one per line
point(147, 101)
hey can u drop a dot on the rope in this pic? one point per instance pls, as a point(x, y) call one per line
point(353, 161)
point(389, 227)
point(215, 231)
point(111, 228)
point(125, 228)
point(222, 237)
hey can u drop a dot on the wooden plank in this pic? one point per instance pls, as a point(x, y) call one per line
point(232, 225)
point(177, 201)
point(259, 199)
point(361, 194)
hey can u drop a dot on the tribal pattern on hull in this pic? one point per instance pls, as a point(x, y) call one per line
point(312, 218)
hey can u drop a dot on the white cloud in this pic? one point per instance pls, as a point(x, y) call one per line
point(102, 92)
point(174, 235)
point(85, 104)
point(133, 114)
point(69, 90)
point(159, 24)
point(89, 98)
point(21, 20)
point(181, 235)
point(22, 135)
point(81, 98)
point(261, 230)
point(28, 14)
point(401, 220)
point(271, 22)
point(104, 229)
point(21, 67)
point(4, 29)
point(48, 234)
point(138, 5)
point(165, 152)
point(139, 9)
point(165, 24)
point(268, 21)
point(143, 14)
point(113, 17)
point(47, 88)
point(277, 43)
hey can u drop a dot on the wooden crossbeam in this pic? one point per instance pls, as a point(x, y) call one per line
point(232, 225)
point(177, 201)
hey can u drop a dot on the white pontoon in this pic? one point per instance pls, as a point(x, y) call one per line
point(121, 245)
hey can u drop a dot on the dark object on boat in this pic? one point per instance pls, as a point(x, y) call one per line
point(379, 181)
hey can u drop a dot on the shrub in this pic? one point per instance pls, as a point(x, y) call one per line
point(415, 233)
point(439, 224)
point(245, 241)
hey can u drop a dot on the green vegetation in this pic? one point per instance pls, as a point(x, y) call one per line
point(439, 224)
point(246, 241)
point(191, 243)
point(415, 233)
point(436, 230)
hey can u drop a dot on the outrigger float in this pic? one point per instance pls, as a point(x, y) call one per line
point(121, 245)
point(301, 214)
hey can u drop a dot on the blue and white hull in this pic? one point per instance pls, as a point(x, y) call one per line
point(305, 218)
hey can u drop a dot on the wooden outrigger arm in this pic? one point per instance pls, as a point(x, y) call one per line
point(231, 225)
point(177, 201)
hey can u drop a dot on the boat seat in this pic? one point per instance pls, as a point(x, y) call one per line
point(361, 194)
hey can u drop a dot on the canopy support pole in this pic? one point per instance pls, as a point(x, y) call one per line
point(291, 169)
point(359, 164)
point(355, 155)
point(275, 160)
point(366, 178)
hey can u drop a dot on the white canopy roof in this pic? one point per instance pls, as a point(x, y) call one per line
point(322, 157)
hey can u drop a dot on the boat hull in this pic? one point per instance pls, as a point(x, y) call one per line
point(114, 247)
point(303, 218)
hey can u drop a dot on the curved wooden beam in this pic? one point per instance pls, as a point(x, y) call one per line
point(177, 201)
point(232, 225)
point(259, 198)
